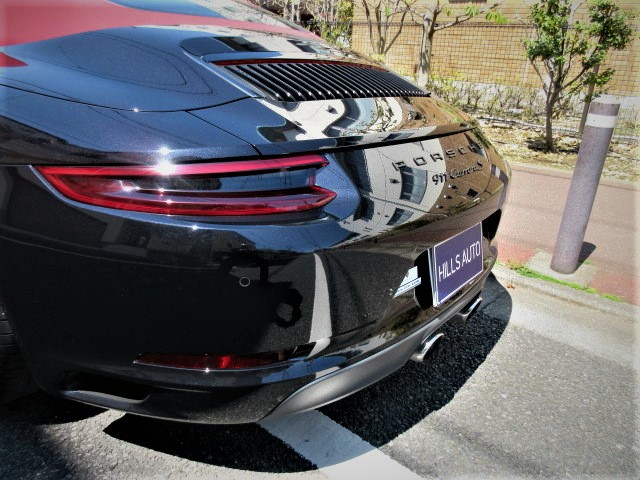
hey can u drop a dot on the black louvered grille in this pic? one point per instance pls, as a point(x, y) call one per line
point(303, 81)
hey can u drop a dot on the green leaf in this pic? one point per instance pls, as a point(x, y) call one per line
point(560, 42)
point(471, 10)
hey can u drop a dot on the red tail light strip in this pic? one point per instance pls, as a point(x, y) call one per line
point(166, 169)
point(151, 189)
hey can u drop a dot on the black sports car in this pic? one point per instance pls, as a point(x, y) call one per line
point(208, 214)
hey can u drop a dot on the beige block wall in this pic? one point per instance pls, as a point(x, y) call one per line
point(489, 53)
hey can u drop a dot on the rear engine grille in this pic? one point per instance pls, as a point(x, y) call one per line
point(298, 81)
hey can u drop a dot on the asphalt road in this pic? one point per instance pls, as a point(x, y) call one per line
point(538, 384)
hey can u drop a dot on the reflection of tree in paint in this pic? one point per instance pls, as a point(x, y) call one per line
point(387, 116)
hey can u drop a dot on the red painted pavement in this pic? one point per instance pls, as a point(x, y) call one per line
point(624, 286)
point(532, 216)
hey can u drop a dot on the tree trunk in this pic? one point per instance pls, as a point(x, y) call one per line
point(587, 102)
point(367, 14)
point(424, 66)
point(585, 112)
point(548, 127)
point(379, 41)
point(548, 132)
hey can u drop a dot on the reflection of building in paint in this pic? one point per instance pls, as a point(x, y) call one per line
point(334, 118)
point(393, 194)
point(316, 116)
point(414, 184)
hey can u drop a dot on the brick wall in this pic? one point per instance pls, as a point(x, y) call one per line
point(485, 52)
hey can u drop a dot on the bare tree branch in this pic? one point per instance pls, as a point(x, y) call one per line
point(464, 18)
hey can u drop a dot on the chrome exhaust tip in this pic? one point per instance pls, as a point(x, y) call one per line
point(427, 346)
point(463, 315)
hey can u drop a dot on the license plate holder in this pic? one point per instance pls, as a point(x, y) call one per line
point(455, 262)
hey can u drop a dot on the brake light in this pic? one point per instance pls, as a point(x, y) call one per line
point(247, 187)
point(213, 362)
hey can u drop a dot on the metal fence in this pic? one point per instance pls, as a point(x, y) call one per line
point(486, 53)
point(482, 67)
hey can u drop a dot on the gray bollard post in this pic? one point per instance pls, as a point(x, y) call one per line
point(584, 184)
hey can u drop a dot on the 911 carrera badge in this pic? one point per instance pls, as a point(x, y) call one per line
point(411, 280)
point(455, 173)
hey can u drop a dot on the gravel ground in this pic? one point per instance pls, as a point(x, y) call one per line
point(526, 146)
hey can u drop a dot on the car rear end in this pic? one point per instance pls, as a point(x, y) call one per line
point(265, 225)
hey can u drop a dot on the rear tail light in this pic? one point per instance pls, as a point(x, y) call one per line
point(247, 187)
point(213, 362)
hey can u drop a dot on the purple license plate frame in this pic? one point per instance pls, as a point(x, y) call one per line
point(455, 263)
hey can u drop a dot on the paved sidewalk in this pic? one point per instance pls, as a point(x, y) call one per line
point(611, 252)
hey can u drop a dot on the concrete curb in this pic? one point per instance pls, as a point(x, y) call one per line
point(508, 277)
point(541, 263)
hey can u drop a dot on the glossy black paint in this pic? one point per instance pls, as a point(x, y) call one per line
point(89, 289)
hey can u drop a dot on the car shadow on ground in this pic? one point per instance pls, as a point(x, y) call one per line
point(41, 408)
point(27, 450)
point(378, 414)
point(244, 447)
point(383, 411)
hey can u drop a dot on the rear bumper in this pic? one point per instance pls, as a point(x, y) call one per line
point(248, 404)
point(346, 381)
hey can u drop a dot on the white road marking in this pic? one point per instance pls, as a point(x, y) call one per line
point(321, 316)
point(337, 452)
